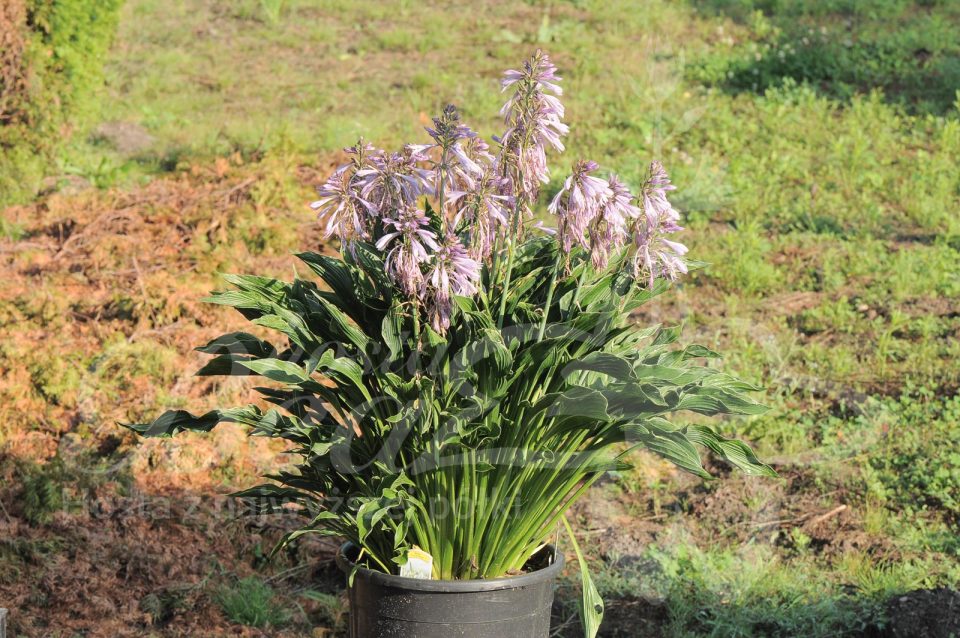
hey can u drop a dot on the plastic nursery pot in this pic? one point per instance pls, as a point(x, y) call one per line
point(386, 606)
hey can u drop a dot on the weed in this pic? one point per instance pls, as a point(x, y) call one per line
point(41, 498)
point(251, 602)
point(273, 10)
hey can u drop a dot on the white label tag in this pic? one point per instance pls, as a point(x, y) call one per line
point(419, 565)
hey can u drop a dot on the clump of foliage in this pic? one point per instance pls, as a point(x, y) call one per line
point(42, 496)
point(460, 379)
point(53, 63)
point(251, 602)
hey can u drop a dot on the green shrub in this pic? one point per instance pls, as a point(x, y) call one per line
point(61, 65)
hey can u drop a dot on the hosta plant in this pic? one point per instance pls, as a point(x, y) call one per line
point(459, 376)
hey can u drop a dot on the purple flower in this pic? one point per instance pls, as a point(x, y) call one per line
point(453, 272)
point(395, 180)
point(346, 212)
point(408, 240)
point(534, 122)
point(473, 161)
point(578, 203)
point(418, 152)
point(447, 129)
point(538, 73)
point(361, 152)
point(653, 197)
point(484, 210)
point(656, 255)
point(609, 229)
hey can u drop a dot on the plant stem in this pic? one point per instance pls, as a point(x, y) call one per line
point(416, 335)
point(576, 291)
point(440, 194)
point(506, 284)
point(546, 306)
point(512, 240)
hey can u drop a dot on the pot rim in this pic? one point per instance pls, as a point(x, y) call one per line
point(539, 576)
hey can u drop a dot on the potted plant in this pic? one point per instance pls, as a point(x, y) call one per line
point(458, 378)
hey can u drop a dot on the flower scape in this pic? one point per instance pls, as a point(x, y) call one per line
point(461, 374)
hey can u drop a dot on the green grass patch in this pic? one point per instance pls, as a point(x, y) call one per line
point(252, 602)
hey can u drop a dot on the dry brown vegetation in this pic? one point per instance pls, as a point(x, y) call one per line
point(101, 308)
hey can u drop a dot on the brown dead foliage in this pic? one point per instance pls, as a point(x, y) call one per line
point(120, 275)
point(93, 573)
point(100, 308)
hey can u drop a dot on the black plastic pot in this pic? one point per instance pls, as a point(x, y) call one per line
point(386, 606)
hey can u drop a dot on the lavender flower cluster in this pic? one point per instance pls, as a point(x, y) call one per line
point(441, 211)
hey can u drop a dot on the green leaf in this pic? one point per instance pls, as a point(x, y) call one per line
point(392, 330)
point(226, 365)
point(591, 603)
point(666, 336)
point(173, 422)
point(238, 343)
point(369, 515)
point(344, 371)
point(278, 370)
point(602, 363)
point(370, 260)
point(714, 400)
point(269, 498)
point(634, 400)
point(577, 401)
point(334, 272)
point(290, 324)
point(337, 326)
point(672, 445)
point(736, 452)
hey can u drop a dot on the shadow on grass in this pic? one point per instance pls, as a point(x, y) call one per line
point(909, 50)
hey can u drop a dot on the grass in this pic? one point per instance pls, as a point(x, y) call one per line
point(814, 148)
point(251, 602)
point(843, 47)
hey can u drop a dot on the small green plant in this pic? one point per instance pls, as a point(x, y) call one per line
point(42, 496)
point(273, 10)
point(911, 467)
point(251, 602)
point(812, 42)
point(11, 230)
point(799, 539)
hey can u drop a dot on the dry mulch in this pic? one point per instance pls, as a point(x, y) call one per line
point(98, 282)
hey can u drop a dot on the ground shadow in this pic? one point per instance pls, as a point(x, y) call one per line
point(908, 50)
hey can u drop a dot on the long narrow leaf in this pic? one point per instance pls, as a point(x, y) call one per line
point(591, 603)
